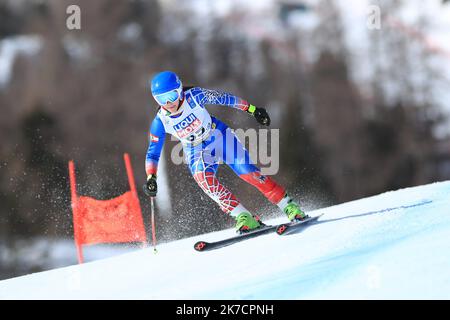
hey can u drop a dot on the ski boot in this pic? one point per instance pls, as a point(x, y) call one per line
point(245, 222)
point(294, 213)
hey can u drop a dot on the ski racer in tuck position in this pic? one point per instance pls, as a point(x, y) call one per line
point(206, 142)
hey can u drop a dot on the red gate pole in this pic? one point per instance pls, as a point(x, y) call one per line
point(132, 183)
point(74, 201)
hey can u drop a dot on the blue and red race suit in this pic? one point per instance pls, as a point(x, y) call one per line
point(207, 141)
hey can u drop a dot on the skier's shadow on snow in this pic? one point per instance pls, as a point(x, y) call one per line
point(363, 214)
point(375, 212)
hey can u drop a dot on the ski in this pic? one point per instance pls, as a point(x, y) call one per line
point(206, 246)
point(281, 229)
point(293, 227)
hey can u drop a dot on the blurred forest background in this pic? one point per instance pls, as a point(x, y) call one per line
point(84, 95)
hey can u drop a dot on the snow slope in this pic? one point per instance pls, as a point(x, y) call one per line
point(391, 246)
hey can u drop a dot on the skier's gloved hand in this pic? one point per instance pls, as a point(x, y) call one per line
point(260, 114)
point(150, 188)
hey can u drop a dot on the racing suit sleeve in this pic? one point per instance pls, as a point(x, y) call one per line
point(157, 135)
point(207, 96)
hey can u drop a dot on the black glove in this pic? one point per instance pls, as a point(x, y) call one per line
point(150, 188)
point(260, 114)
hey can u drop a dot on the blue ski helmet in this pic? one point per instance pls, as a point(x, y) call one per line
point(166, 87)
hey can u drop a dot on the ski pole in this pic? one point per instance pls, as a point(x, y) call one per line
point(152, 205)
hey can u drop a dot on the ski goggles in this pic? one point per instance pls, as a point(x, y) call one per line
point(170, 96)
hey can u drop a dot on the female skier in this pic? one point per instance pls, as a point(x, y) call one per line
point(207, 141)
